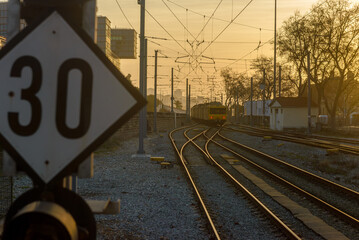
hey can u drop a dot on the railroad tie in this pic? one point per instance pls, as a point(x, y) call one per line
point(301, 213)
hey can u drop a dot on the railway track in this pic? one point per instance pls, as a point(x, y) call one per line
point(311, 140)
point(340, 192)
point(194, 166)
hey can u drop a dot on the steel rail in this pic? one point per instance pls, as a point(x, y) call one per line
point(338, 187)
point(194, 143)
point(343, 215)
point(306, 141)
point(295, 134)
point(200, 198)
point(286, 230)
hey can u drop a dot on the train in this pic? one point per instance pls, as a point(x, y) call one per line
point(213, 112)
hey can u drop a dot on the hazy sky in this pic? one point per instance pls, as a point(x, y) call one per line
point(232, 43)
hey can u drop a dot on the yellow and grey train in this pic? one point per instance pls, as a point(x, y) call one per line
point(213, 112)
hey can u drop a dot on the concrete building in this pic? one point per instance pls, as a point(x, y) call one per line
point(103, 32)
point(124, 43)
point(257, 108)
point(291, 112)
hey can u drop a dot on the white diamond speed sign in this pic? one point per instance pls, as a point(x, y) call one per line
point(60, 98)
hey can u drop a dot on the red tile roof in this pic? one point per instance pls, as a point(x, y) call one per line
point(298, 102)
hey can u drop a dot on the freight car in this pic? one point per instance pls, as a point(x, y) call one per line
point(213, 112)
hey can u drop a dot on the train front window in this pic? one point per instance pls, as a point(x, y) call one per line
point(217, 111)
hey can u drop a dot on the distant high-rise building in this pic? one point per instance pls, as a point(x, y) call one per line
point(104, 39)
point(124, 43)
point(3, 19)
point(104, 34)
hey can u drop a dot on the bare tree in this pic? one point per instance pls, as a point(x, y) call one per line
point(236, 87)
point(266, 63)
point(342, 31)
point(330, 35)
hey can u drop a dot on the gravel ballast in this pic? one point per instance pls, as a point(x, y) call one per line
point(158, 202)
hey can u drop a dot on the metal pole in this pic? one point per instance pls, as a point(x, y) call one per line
point(280, 81)
point(237, 106)
point(155, 98)
point(187, 99)
point(251, 98)
point(142, 63)
point(275, 49)
point(264, 92)
point(309, 94)
point(145, 91)
point(172, 90)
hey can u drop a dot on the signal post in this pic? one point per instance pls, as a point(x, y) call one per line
point(56, 85)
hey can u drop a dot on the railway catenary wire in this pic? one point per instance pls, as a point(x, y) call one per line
point(351, 194)
point(274, 219)
point(309, 140)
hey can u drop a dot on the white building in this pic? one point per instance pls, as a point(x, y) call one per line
point(291, 112)
point(257, 107)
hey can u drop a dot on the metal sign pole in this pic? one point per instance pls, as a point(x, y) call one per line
point(187, 99)
point(142, 63)
point(145, 91)
point(172, 90)
point(280, 81)
point(275, 50)
point(155, 97)
point(251, 116)
point(309, 94)
point(264, 94)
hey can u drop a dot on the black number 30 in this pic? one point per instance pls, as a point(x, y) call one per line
point(29, 95)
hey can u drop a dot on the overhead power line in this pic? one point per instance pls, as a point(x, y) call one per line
point(223, 20)
point(215, 10)
point(171, 36)
point(124, 14)
point(179, 20)
point(182, 40)
point(224, 29)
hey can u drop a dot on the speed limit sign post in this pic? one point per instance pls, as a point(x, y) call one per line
point(60, 99)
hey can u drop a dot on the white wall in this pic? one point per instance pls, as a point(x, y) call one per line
point(297, 117)
point(257, 108)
